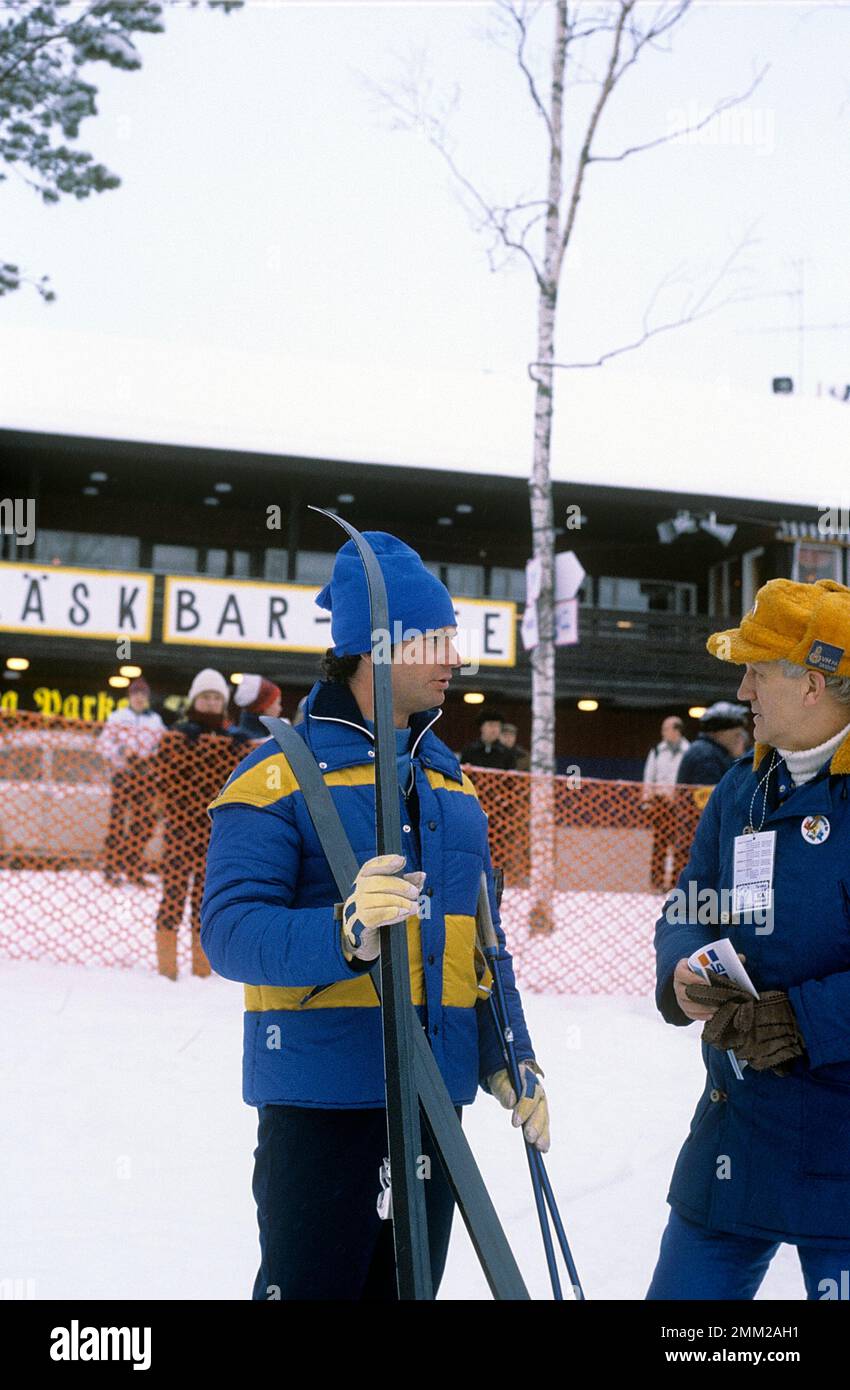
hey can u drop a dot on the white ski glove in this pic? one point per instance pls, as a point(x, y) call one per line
point(380, 896)
point(532, 1109)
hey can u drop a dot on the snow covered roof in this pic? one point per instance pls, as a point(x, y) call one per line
point(612, 427)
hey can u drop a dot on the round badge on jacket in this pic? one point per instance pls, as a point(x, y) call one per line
point(814, 829)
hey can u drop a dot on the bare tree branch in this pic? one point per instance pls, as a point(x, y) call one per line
point(607, 87)
point(518, 14)
point(644, 337)
point(412, 114)
point(721, 106)
point(699, 310)
point(662, 24)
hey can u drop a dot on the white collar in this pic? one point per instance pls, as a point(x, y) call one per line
point(803, 763)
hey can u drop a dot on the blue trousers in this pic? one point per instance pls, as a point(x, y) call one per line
point(698, 1263)
point(316, 1184)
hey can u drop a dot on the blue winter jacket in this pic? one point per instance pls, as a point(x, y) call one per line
point(769, 1156)
point(268, 917)
point(704, 763)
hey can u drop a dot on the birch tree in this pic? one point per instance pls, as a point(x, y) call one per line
point(594, 45)
point(590, 45)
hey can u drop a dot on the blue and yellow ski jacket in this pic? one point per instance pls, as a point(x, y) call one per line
point(268, 917)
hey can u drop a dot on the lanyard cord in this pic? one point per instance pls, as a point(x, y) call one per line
point(750, 829)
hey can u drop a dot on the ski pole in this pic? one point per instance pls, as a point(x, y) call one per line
point(532, 1156)
point(541, 1185)
point(539, 1176)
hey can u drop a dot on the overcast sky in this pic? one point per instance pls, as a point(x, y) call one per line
point(270, 226)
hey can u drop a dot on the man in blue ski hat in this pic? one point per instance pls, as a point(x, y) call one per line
point(313, 1051)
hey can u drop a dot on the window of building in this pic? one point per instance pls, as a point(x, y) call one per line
point(647, 595)
point(510, 584)
point(313, 566)
point(753, 575)
point(725, 581)
point(215, 563)
point(276, 565)
point(222, 563)
point(813, 562)
point(464, 581)
point(89, 551)
point(507, 583)
point(175, 559)
point(585, 593)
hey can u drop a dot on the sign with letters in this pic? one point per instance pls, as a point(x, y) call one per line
point(284, 617)
point(240, 613)
point(486, 631)
point(60, 601)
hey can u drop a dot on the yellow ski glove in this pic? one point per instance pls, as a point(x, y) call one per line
point(379, 897)
point(532, 1109)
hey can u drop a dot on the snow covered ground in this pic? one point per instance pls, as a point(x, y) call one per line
point(127, 1151)
point(601, 941)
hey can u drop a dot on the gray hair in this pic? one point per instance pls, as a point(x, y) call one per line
point(839, 686)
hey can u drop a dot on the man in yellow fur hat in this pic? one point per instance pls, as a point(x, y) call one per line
point(767, 1159)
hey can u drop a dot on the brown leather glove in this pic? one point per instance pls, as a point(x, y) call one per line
point(725, 997)
point(762, 1032)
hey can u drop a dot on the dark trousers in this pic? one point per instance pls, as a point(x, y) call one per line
point(688, 812)
point(131, 820)
point(698, 1263)
point(663, 821)
point(183, 856)
point(316, 1185)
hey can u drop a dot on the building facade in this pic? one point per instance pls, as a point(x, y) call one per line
point(170, 558)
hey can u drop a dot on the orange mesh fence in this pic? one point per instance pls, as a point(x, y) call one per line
point(103, 837)
point(586, 865)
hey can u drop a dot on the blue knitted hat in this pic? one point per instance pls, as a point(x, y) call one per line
point(415, 597)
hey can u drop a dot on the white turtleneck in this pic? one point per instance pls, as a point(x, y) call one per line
point(803, 763)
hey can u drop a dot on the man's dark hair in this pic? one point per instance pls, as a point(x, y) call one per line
point(337, 668)
point(486, 715)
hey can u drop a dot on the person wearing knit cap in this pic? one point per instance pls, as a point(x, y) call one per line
point(205, 683)
point(128, 743)
point(255, 696)
point(767, 1160)
point(722, 738)
point(197, 753)
point(313, 1055)
point(488, 750)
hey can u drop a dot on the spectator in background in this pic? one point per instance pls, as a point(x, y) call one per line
point(128, 742)
point(255, 696)
point(508, 737)
point(488, 750)
point(659, 789)
point(172, 708)
point(198, 755)
point(722, 739)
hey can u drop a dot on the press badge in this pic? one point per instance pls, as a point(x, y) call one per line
point(752, 882)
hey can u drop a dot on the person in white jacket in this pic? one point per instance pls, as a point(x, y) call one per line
point(659, 789)
point(128, 743)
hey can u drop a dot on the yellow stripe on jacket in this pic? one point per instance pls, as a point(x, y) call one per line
point(460, 980)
